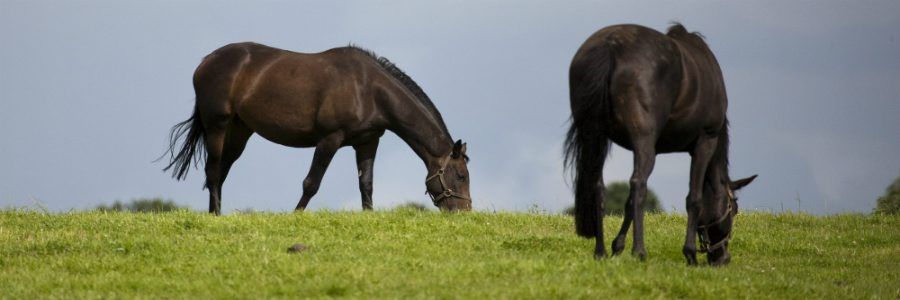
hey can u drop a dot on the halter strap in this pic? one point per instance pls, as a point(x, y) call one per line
point(704, 229)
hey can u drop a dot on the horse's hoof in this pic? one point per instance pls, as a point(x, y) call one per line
point(642, 255)
point(691, 259)
point(599, 252)
point(690, 254)
point(618, 245)
point(719, 261)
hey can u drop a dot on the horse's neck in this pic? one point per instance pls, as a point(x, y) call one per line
point(424, 132)
point(427, 141)
point(717, 171)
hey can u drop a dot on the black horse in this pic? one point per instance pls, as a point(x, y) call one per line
point(651, 93)
point(341, 97)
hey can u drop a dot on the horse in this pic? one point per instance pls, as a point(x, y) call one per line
point(345, 96)
point(651, 93)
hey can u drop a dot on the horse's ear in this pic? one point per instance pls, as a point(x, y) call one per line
point(738, 184)
point(459, 149)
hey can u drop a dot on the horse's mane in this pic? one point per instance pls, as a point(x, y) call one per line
point(677, 31)
point(407, 81)
point(720, 157)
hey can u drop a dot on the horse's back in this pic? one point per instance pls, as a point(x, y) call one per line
point(230, 59)
point(628, 41)
point(287, 97)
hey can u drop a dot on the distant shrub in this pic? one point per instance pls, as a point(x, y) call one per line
point(248, 210)
point(143, 205)
point(889, 203)
point(411, 206)
point(616, 196)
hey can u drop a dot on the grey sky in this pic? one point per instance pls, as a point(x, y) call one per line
point(89, 90)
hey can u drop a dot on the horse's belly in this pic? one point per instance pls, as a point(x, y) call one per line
point(668, 141)
point(298, 141)
point(289, 127)
point(676, 139)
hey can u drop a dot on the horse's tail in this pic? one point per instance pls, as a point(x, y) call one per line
point(587, 142)
point(194, 142)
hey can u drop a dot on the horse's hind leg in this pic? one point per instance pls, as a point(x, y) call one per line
point(618, 244)
point(644, 159)
point(325, 150)
point(236, 136)
point(215, 140)
point(365, 161)
point(224, 144)
point(599, 190)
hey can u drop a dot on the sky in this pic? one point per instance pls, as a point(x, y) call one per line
point(90, 89)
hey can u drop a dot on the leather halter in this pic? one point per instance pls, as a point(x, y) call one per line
point(703, 230)
point(446, 192)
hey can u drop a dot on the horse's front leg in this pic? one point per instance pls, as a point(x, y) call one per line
point(325, 150)
point(700, 158)
point(365, 161)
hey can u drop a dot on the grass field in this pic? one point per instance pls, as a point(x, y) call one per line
point(411, 254)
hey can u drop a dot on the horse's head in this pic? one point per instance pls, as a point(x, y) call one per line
point(448, 182)
point(716, 232)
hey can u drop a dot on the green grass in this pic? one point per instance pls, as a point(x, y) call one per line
point(409, 254)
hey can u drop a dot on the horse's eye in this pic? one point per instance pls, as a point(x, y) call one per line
point(461, 177)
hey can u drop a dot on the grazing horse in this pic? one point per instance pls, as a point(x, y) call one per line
point(341, 97)
point(651, 93)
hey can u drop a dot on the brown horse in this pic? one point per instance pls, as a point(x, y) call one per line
point(651, 93)
point(341, 97)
